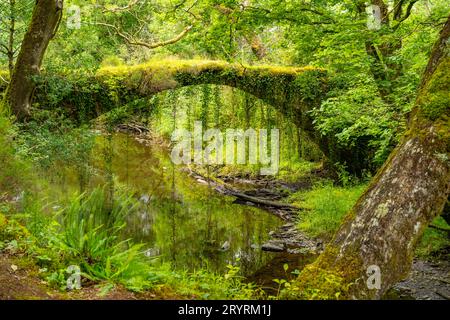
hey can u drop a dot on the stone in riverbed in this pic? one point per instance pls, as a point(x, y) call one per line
point(273, 246)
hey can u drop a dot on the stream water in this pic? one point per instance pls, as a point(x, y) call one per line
point(181, 220)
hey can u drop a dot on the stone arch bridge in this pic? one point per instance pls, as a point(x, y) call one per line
point(293, 91)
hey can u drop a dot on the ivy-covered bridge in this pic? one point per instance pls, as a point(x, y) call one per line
point(293, 91)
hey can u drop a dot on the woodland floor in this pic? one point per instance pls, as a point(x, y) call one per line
point(24, 283)
point(427, 281)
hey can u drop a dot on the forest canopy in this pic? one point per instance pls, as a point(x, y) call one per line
point(354, 95)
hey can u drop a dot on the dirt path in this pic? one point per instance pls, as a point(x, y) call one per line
point(17, 283)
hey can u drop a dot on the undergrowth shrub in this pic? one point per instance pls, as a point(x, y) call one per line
point(91, 234)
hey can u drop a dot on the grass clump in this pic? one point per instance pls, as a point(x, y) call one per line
point(87, 233)
point(325, 205)
point(434, 242)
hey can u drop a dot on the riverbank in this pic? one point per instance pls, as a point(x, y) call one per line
point(309, 209)
point(21, 281)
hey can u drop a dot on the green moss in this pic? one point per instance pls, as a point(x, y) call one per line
point(434, 99)
point(329, 277)
point(12, 230)
point(433, 107)
point(171, 73)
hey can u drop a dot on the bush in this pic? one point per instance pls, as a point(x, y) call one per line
point(13, 169)
point(91, 234)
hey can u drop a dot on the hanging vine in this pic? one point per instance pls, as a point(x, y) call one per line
point(205, 103)
point(218, 105)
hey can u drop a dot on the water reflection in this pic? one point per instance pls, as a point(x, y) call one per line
point(180, 220)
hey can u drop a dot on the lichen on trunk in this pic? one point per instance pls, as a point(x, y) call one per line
point(44, 23)
point(411, 189)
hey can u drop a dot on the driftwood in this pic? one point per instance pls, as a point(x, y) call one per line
point(256, 200)
point(133, 126)
point(226, 189)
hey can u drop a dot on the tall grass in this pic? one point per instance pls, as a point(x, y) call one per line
point(326, 206)
point(92, 225)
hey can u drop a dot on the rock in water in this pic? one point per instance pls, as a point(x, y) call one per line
point(225, 246)
point(273, 247)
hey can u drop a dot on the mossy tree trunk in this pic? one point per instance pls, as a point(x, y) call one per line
point(408, 192)
point(44, 23)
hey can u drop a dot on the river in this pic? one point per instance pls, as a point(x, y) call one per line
point(181, 220)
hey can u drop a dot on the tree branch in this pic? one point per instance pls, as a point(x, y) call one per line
point(134, 42)
point(398, 9)
point(407, 13)
point(130, 5)
point(6, 48)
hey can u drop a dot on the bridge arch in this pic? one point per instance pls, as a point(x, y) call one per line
point(292, 91)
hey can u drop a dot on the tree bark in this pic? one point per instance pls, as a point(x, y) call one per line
point(12, 31)
point(408, 192)
point(384, 70)
point(44, 23)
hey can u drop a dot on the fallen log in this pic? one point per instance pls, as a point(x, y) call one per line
point(264, 202)
point(226, 189)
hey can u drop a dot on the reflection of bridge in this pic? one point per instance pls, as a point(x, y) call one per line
point(293, 91)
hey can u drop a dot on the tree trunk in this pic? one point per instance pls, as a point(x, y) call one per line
point(12, 31)
point(410, 190)
point(44, 23)
point(384, 69)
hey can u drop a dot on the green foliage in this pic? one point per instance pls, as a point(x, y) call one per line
point(14, 15)
point(94, 70)
point(13, 168)
point(326, 205)
point(434, 242)
point(358, 119)
point(51, 138)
